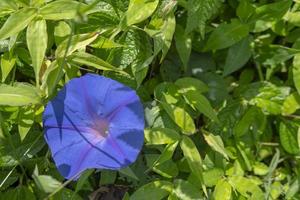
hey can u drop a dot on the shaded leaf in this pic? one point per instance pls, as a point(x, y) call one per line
point(155, 190)
point(193, 158)
point(226, 35)
point(237, 56)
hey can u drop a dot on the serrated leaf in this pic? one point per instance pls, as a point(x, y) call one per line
point(139, 10)
point(226, 35)
point(37, 40)
point(18, 95)
point(17, 22)
point(161, 136)
point(215, 142)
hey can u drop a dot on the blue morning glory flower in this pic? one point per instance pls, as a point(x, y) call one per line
point(94, 122)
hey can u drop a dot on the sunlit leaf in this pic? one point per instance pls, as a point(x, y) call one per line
point(18, 95)
point(37, 39)
point(17, 22)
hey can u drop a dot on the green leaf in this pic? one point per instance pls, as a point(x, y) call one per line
point(260, 169)
point(288, 137)
point(161, 136)
point(215, 142)
point(77, 42)
point(87, 59)
point(7, 7)
point(226, 35)
point(293, 18)
point(273, 11)
point(253, 120)
point(107, 177)
point(25, 121)
point(189, 83)
point(199, 102)
point(18, 193)
point(266, 96)
point(105, 43)
point(139, 10)
point(222, 190)
point(155, 190)
point(246, 187)
point(184, 190)
point(183, 43)
point(83, 179)
point(291, 104)
point(45, 183)
point(61, 9)
point(7, 63)
point(238, 55)
point(61, 31)
point(296, 72)
point(193, 158)
point(162, 31)
point(37, 40)
point(18, 95)
point(211, 176)
point(128, 172)
point(166, 169)
point(16, 22)
point(181, 118)
point(52, 76)
point(199, 12)
point(166, 154)
point(245, 10)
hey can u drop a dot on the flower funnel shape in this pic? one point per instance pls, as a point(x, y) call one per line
point(94, 122)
